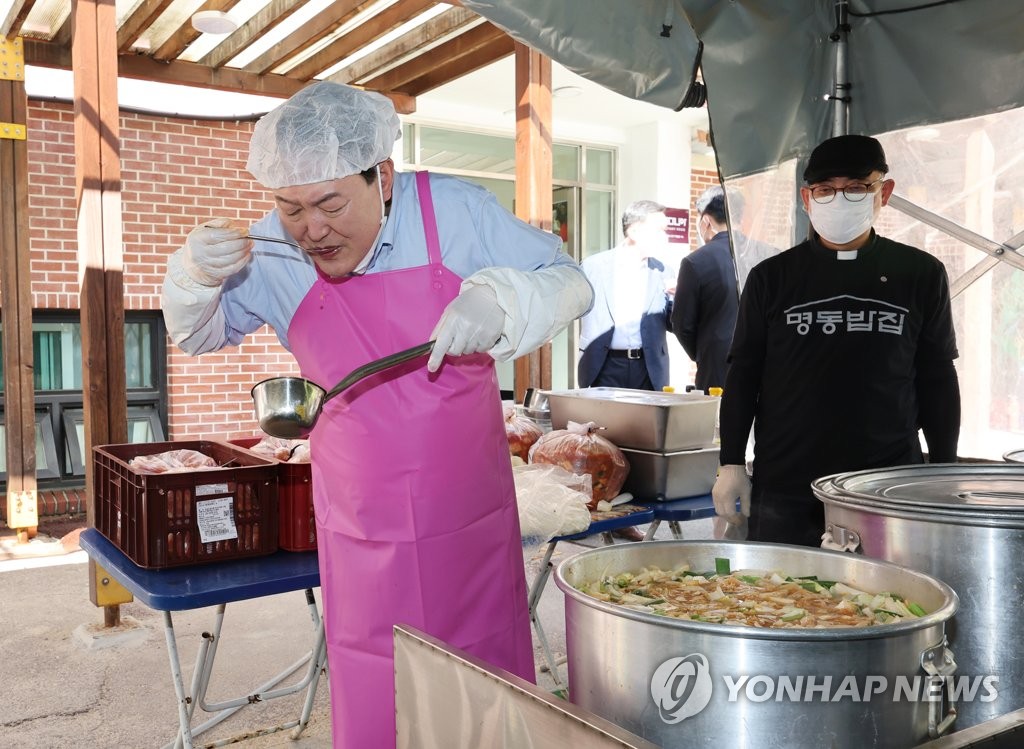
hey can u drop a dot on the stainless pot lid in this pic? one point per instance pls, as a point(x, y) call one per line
point(944, 487)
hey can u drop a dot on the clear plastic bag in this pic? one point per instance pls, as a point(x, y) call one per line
point(521, 432)
point(552, 502)
point(580, 449)
point(172, 461)
point(290, 451)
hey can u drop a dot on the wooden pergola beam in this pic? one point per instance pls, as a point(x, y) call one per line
point(100, 259)
point(534, 165)
point(16, 293)
point(143, 68)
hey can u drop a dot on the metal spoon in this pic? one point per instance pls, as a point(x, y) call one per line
point(291, 244)
point(276, 239)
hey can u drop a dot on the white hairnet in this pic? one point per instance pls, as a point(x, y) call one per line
point(324, 132)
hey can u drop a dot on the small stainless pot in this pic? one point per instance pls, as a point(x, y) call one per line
point(288, 407)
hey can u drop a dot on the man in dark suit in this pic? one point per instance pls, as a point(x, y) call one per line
point(622, 338)
point(706, 299)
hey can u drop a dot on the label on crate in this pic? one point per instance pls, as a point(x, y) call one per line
point(216, 519)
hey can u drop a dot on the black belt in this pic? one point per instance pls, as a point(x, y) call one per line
point(626, 353)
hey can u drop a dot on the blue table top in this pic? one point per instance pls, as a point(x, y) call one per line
point(638, 517)
point(685, 508)
point(193, 587)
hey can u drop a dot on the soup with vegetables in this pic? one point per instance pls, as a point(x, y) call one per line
point(753, 598)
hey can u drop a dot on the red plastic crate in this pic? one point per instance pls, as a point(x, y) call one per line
point(296, 523)
point(153, 519)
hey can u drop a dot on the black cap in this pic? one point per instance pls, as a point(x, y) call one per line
point(851, 156)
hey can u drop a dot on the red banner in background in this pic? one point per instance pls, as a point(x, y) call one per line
point(678, 225)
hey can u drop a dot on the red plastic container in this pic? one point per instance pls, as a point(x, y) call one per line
point(159, 520)
point(296, 523)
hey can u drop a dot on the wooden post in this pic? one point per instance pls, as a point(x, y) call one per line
point(100, 260)
point(533, 181)
point(16, 294)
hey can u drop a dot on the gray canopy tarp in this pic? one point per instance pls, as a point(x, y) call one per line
point(941, 84)
point(768, 64)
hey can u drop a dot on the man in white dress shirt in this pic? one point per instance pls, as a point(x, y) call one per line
point(622, 338)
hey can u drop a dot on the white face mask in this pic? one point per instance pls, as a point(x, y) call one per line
point(842, 221)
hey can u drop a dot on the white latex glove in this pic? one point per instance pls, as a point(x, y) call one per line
point(214, 251)
point(471, 323)
point(732, 484)
point(730, 531)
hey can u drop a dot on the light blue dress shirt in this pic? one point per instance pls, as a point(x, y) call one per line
point(474, 230)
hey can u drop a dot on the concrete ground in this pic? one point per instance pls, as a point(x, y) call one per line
point(65, 681)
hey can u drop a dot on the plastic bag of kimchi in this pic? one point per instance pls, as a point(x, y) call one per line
point(521, 433)
point(580, 449)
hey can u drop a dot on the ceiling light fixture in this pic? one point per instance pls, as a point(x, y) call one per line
point(566, 92)
point(213, 22)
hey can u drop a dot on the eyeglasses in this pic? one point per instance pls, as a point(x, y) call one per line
point(854, 192)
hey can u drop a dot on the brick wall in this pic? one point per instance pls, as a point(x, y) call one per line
point(700, 180)
point(175, 173)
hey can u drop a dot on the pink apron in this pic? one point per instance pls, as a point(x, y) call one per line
point(415, 506)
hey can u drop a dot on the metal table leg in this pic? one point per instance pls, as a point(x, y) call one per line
point(316, 660)
point(534, 600)
point(184, 719)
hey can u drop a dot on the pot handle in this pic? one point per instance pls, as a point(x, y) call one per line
point(938, 663)
point(838, 538)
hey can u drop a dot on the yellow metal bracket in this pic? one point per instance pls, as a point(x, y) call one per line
point(12, 59)
point(12, 131)
point(108, 591)
point(22, 509)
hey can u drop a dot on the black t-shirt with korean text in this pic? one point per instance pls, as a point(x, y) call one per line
point(826, 355)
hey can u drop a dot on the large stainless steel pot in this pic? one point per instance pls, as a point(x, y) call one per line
point(963, 524)
point(692, 684)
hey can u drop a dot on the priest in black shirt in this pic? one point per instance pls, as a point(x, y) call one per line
point(843, 350)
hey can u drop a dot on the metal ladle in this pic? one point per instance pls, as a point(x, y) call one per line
point(288, 407)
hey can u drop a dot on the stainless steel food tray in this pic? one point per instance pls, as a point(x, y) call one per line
point(639, 419)
point(667, 476)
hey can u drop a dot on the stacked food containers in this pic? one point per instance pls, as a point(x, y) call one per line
point(668, 438)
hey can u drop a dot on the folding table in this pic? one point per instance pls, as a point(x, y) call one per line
point(217, 584)
point(624, 516)
point(675, 511)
